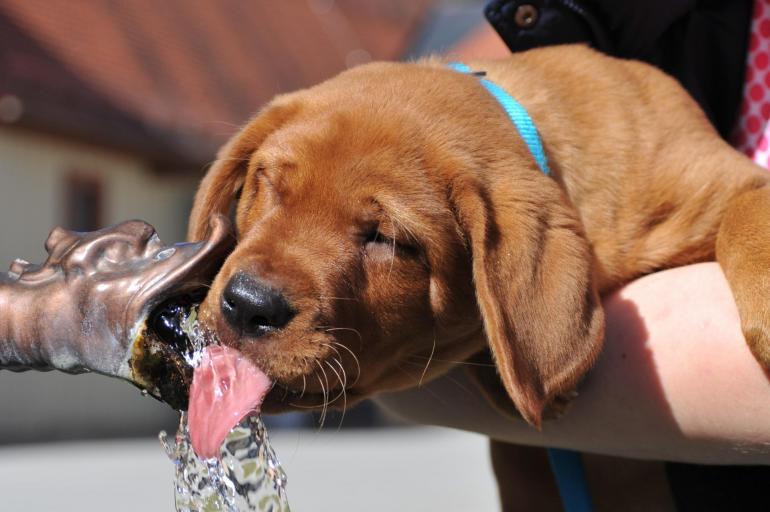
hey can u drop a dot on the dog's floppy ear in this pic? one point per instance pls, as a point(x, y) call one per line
point(532, 271)
point(224, 179)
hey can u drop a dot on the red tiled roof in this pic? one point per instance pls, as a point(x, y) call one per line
point(178, 75)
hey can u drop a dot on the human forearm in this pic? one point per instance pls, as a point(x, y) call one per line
point(675, 381)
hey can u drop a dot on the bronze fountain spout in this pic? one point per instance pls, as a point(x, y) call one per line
point(106, 301)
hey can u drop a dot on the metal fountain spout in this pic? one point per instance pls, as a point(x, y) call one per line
point(90, 306)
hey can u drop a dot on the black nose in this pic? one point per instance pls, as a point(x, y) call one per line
point(254, 308)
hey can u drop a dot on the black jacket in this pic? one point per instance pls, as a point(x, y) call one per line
point(703, 43)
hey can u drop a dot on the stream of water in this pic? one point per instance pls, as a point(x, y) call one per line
point(246, 476)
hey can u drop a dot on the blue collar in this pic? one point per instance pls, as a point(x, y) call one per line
point(518, 116)
point(566, 465)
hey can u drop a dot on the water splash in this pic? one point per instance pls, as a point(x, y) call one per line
point(246, 476)
point(196, 338)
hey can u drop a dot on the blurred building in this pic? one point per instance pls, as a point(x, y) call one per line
point(112, 109)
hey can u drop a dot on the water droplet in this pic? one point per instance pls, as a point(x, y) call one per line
point(165, 254)
point(145, 392)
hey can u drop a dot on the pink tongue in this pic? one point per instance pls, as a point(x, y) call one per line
point(225, 388)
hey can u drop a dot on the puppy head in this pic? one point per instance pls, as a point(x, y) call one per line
point(382, 239)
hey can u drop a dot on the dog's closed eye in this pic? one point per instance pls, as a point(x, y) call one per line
point(375, 240)
point(233, 213)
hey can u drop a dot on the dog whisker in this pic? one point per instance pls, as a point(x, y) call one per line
point(340, 394)
point(449, 377)
point(323, 402)
point(344, 386)
point(355, 331)
point(393, 248)
point(430, 391)
point(458, 384)
point(331, 347)
point(229, 159)
point(339, 356)
point(339, 378)
point(327, 328)
point(355, 360)
point(425, 370)
point(300, 406)
point(224, 123)
point(465, 363)
point(325, 393)
point(338, 360)
point(342, 369)
point(205, 284)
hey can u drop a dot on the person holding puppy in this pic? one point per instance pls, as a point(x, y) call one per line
point(673, 345)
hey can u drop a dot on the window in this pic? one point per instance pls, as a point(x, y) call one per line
point(83, 202)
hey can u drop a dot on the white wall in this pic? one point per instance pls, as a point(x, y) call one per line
point(32, 170)
point(39, 406)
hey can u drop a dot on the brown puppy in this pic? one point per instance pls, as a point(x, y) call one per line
point(391, 221)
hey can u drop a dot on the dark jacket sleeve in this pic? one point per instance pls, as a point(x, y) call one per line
point(702, 43)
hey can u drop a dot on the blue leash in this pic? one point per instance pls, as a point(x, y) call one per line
point(517, 114)
point(566, 465)
point(567, 468)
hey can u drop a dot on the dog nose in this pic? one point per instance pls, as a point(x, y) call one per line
point(254, 308)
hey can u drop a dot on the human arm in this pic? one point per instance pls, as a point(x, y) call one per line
point(675, 381)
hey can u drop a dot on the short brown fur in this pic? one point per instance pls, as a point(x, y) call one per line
point(477, 249)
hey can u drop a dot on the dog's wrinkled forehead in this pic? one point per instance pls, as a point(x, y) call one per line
point(325, 132)
point(337, 155)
